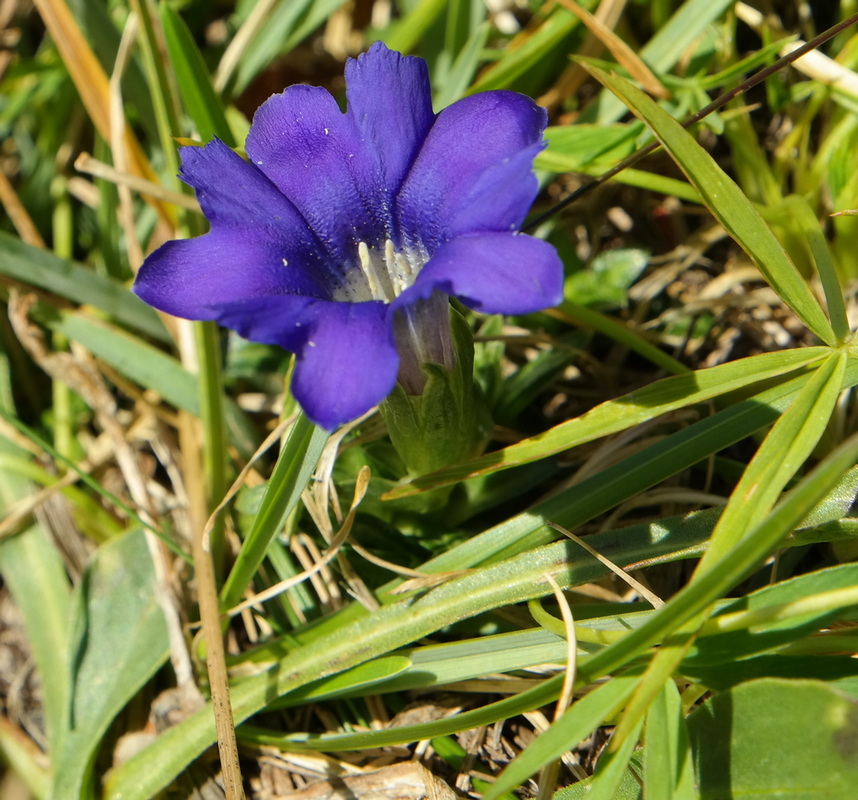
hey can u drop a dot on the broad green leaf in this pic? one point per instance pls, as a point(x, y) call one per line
point(729, 205)
point(295, 465)
point(626, 412)
point(33, 570)
point(776, 738)
point(202, 103)
point(119, 641)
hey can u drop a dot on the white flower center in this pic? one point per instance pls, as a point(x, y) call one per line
point(380, 275)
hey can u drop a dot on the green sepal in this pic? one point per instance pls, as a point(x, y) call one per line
point(449, 421)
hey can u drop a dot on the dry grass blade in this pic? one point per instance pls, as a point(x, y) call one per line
point(624, 54)
point(653, 599)
point(92, 84)
point(92, 166)
point(548, 776)
point(18, 215)
point(338, 541)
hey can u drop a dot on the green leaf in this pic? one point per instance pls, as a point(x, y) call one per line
point(670, 43)
point(296, 463)
point(119, 641)
point(782, 453)
point(626, 412)
point(748, 553)
point(582, 718)
point(192, 75)
point(33, 570)
point(667, 757)
point(390, 627)
point(606, 280)
point(776, 738)
point(729, 205)
point(40, 268)
point(802, 216)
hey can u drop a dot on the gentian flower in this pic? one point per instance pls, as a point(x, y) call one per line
point(343, 235)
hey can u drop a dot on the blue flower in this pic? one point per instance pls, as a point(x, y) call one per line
point(345, 232)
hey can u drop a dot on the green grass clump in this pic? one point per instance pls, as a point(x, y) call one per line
point(647, 584)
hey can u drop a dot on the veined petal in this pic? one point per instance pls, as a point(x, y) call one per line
point(233, 193)
point(315, 155)
point(390, 99)
point(478, 133)
point(346, 355)
point(187, 278)
point(499, 198)
point(497, 273)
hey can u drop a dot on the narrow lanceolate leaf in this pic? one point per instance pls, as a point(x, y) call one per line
point(574, 726)
point(785, 449)
point(201, 101)
point(42, 269)
point(625, 412)
point(714, 583)
point(727, 202)
point(291, 473)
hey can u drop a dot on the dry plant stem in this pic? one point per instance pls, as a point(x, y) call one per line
point(624, 54)
point(78, 371)
point(608, 14)
point(548, 776)
point(336, 543)
point(117, 140)
point(272, 437)
point(22, 221)
point(653, 599)
point(815, 65)
point(92, 166)
point(216, 666)
point(91, 82)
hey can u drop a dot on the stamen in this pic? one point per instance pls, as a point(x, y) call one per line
point(372, 277)
point(379, 275)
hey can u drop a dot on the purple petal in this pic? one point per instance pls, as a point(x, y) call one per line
point(187, 278)
point(314, 154)
point(233, 193)
point(483, 132)
point(390, 99)
point(348, 366)
point(346, 355)
point(497, 273)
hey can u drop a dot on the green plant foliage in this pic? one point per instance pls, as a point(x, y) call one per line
point(776, 738)
point(687, 413)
